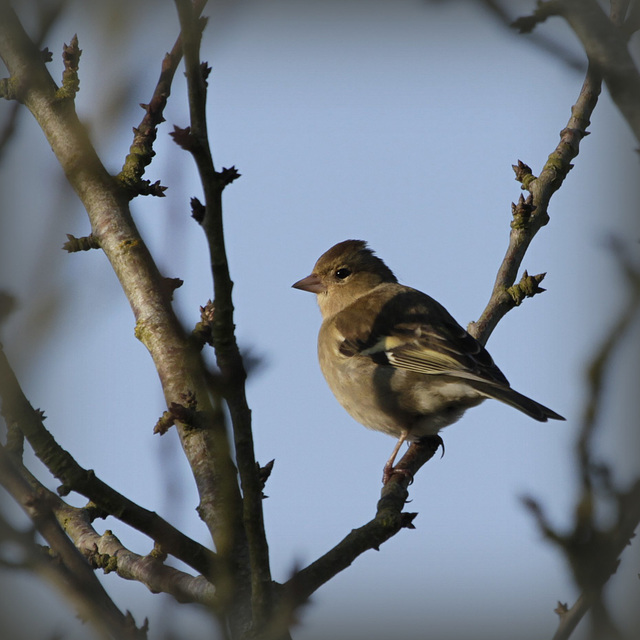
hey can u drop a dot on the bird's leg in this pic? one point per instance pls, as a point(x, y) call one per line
point(388, 470)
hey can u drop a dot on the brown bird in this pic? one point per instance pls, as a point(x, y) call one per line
point(395, 358)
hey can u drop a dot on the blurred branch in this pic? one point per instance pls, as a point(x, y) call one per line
point(593, 555)
point(602, 360)
point(48, 13)
point(592, 550)
point(18, 411)
point(553, 48)
point(607, 49)
point(229, 360)
point(7, 305)
point(605, 40)
point(71, 575)
point(180, 368)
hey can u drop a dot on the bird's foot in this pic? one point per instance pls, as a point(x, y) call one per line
point(390, 470)
point(431, 441)
point(434, 443)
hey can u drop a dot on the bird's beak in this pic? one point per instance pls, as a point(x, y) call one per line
point(311, 283)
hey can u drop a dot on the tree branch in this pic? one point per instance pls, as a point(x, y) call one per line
point(605, 41)
point(591, 550)
point(47, 16)
point(389, 519)
point(141, 151)
point(223, 338)
point(179, 366)
point(530, 215)
point(107, 552)
point(18, 411)
point(607, 48)
point(73, 576)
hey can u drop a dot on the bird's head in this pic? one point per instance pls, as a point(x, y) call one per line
point(344, 273)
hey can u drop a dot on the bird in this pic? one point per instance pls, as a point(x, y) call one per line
point(394, 357)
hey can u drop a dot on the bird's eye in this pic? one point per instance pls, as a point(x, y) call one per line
point(343, 273)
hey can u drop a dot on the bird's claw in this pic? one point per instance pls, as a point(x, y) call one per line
point(390, 470)
point(437, 439)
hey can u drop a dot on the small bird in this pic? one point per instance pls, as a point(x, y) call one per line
point(395, 358)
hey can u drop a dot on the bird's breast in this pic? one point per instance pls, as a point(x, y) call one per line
point(354, 381)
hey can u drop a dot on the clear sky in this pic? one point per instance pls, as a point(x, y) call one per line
point(392, 122)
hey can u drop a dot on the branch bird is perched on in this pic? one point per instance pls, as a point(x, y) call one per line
point(394, 357)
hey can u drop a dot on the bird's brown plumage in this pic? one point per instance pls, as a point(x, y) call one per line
point(394, 357)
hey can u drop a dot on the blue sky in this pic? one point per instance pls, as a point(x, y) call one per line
point(393, 122)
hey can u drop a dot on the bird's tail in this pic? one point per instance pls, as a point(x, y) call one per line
point(514, 399)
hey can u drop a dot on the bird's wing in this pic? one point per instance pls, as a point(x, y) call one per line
point(407, 329)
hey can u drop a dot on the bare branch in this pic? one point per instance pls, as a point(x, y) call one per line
point(48, 13)
point(141, 151)
point(179, 366)
point(593, 551)
point(607, 49)
point(18, 411)
point(605, 40)
point(107, 552)
point(555, 49)
point(526, 224)
point(389, 519)
point(228, 356)
point(73, 576)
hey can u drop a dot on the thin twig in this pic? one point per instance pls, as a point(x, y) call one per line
point(541, 189)
point(223, 337)
point(141, 151)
